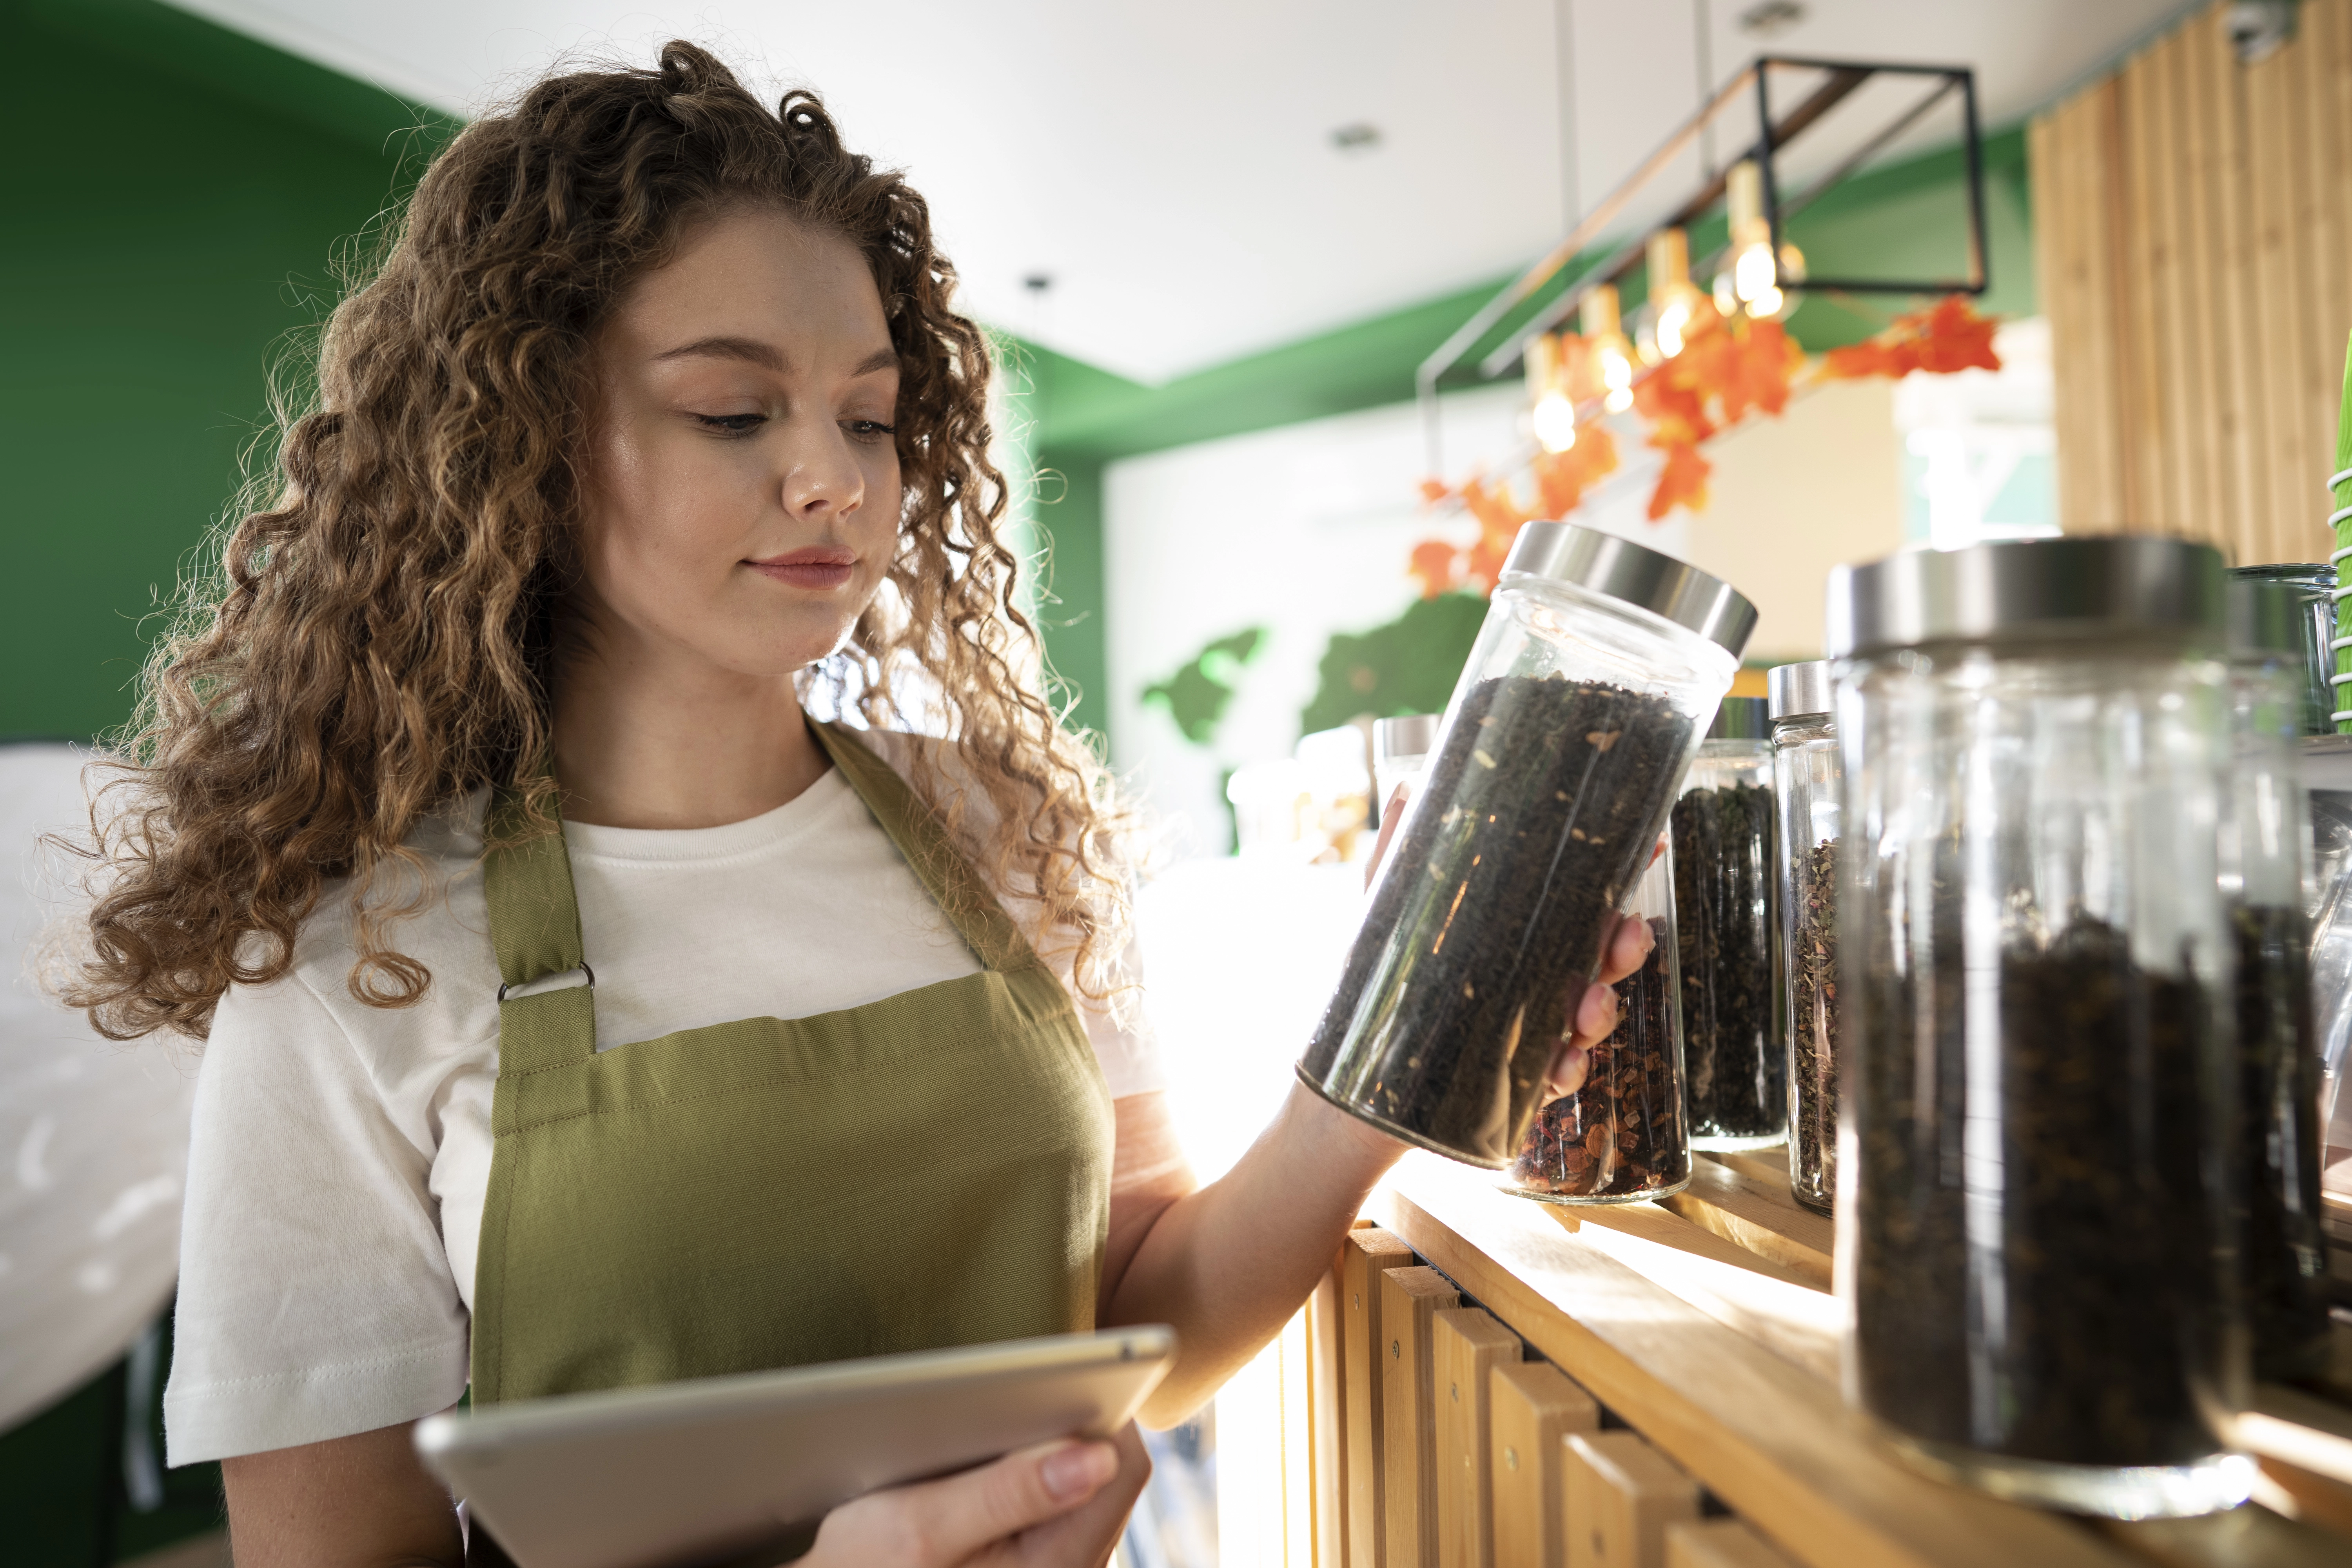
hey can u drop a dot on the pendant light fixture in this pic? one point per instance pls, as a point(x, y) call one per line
point(1606, 332)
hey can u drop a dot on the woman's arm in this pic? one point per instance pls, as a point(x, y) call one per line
point(362, 1502)
point(1229, 1263)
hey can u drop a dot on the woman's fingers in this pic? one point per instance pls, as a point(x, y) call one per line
point(1629, 949)
point(941, 1523)
point(1084, 1537)
point(1596, 1016)
point(1391, 815)
point(1566, 1075)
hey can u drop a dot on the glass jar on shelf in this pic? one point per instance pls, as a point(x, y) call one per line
point(1400, 751)
point(1806, 779)
point(2035, 1244)
point(2266, 871)
point(1620, 1136)
point(1599, 665)
point(1726, 909)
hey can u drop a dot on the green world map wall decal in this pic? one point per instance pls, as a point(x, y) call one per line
point(1197, 695)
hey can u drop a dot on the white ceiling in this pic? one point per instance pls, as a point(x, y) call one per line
point(1171, 166)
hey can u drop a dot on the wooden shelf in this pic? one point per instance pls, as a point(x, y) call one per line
point(1706, 1324)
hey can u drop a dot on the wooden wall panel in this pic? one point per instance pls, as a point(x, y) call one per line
point(2193, 215)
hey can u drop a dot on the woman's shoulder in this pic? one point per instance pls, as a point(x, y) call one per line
point(426, 907)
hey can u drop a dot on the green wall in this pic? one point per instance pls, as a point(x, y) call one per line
point(175, 194)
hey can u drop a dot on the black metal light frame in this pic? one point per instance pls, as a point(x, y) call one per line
point(1772, 136)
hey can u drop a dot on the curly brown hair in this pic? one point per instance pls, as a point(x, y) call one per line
point(376, 643)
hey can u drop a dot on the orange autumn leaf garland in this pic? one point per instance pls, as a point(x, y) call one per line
point(1947, 336)
point(1724, 371)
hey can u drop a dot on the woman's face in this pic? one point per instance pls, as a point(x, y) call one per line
point(743, 503)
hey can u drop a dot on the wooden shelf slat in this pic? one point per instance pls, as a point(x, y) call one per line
point(1773, 1441)
point(1749, 1207)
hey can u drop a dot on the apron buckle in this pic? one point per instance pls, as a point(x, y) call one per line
point(533, 987)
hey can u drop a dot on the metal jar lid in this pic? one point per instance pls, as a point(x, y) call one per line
point(2264, 617)
point(2028, 590)
point(1622, 570)
point(1740, 719)
point(1410, 736)
point(1798, 691)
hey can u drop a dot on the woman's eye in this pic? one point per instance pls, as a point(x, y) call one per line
point(732, 424)
point(871, 429)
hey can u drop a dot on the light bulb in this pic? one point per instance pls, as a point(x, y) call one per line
point(1671, 320)
point(1555, 423)
point(1617, 375)
point(1753, 274)
point(1767, 305)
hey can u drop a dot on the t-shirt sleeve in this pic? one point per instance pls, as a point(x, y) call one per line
point(315, 1295)
point(1120, 1028)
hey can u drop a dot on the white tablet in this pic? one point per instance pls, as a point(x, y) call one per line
point(707, 1470)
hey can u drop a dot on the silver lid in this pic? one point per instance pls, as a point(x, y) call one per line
point(1740, 719)
point(1407, 737)
point(1604, 564)
point(2264, 617)
point(1798, 690)
point(2018, 590)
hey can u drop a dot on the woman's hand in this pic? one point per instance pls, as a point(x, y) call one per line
point(1597, 1013)
point(1057, 1505)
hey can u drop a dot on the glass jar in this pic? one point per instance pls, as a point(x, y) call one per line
point(1621, 1135)
point(1400, 750)
point(1726, 912)
point(2034, 1182)
point(1599, 665)
point(2311, 587)
point(2266, 869)
point(1806, 779)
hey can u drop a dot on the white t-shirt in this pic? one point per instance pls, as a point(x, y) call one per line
point(341, 1152)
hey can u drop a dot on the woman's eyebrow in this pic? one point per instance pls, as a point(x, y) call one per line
point(750, 349)
point(757, 353)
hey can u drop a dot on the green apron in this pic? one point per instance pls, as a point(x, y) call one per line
point(933, 1169)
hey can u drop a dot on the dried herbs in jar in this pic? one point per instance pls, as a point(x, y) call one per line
point(1618, 1137)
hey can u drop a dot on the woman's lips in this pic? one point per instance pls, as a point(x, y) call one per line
point(819, 567)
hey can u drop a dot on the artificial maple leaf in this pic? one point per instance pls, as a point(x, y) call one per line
point(1437, 564)
point(1682, 482)
point(1767, 357)
point(1674, 406)
point(1433, 490)
point(1953, 337)
point(1856, 360)
point(1562, 478)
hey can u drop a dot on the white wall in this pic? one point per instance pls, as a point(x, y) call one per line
point(1306, 530)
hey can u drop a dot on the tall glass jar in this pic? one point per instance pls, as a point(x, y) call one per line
point(1600, 664)
point(2034, 1180)
point(2310, 587)
point(1724, 919)
point(1806, 780)
point(1400, 750)
point(1620, 1136)
point(2265, 872)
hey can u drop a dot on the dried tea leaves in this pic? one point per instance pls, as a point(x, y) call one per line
point(2087, 1326)
point(1532, 823)
point(1724, 911)
point(1812, 1055)
point(1621, 1135)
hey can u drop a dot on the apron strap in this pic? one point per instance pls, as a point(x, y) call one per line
point(923, 840)
point(535, 928)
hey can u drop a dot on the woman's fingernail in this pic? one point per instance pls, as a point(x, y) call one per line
point(1079, 1469)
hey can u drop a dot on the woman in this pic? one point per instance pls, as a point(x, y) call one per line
point(654, 437)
